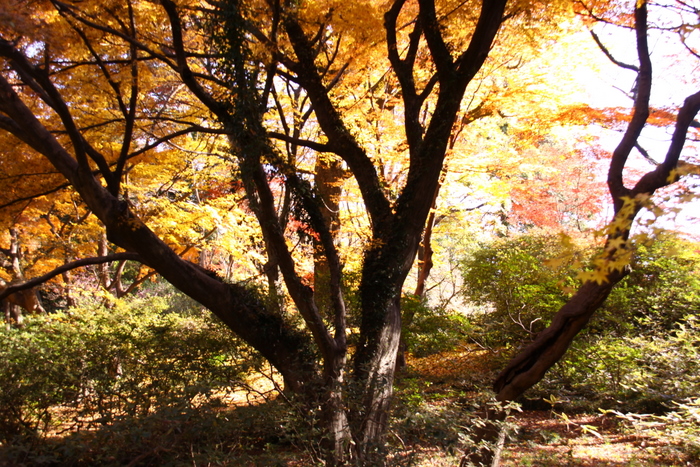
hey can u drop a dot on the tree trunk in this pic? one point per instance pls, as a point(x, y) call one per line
point(528, 367)
point(384, 271)
point(378, 385)
point(328, 178)
point(339, 448)
point(425, 258)
point(13, 313)
point(103, 269)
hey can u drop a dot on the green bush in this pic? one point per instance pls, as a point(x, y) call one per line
point(518, 293)
point(641, 348)
point(662, 288)
point(429, 330)
point(642, 372)
point(92, 366)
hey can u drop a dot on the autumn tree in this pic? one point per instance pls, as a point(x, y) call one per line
point(610, 267)
point(62, 58)
point(630, 191)
point(179, 123)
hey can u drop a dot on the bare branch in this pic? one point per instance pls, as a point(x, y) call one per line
point(318, 147)
point(645, 154)
point(610, 56)
point(340, 139)
point(433, 36)
point(662, 175)
point(36, 195)
point(403, 69)
point(183, 68)
point(640, 114)
point(10, 289)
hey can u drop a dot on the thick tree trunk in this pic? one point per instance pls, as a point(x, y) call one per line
point(379, 384)
point(340, 446)
point(384, 271)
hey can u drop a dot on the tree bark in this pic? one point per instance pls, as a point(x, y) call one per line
point(328, 179)
point(530, 365)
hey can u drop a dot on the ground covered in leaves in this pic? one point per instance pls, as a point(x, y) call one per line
point(562, 435)
point(436, 397)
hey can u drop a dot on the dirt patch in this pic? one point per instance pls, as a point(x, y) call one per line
point(546, 438)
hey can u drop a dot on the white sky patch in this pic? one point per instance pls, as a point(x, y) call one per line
point(674, 78)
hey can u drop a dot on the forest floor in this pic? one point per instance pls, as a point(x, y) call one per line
point(544, 440)
point(435, 394)
point(547, 440)
point(547, 437)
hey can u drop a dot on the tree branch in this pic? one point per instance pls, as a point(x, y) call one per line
point(609, 55)
point(662, 175)
point(413, 206)
point(20, 62)
point(130, 115)
point(490, 20)
point(640, 115)
point(433, 36)
point(10, 289)
point(183, 68)
point(36, 195)
point(318, 147)
point(312, 206)
point(301, 293)
point(339, 137)
point(403, 69)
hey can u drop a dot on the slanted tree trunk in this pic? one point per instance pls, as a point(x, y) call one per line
point(530, 364)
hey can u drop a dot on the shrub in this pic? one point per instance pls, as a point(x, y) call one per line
point(100, 364)
point(640, 348)
point(509, 279)
point(429, 330)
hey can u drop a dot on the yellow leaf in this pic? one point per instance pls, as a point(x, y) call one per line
point(615, 243)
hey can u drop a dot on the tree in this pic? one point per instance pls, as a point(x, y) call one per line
point(177, 123)
point(610, 267)
point(94, 87)
point(636, 347)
